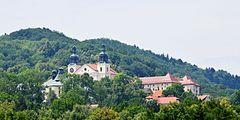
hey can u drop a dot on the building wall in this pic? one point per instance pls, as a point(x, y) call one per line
point(193, 88)
point(162, 86)
point(75, 67)
point(86, 69)
point(154, 87)
point(55, 89)
point(103, 68)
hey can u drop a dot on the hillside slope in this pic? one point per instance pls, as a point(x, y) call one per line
point(45, 50)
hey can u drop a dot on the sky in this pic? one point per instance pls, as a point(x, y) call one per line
point(202, 32)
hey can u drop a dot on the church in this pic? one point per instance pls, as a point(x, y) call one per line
point(97, 71)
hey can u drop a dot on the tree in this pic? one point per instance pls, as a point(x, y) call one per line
point(26, 115)
point(120, 92)
point(142, 116)
point(152, 105)
point(219, 109)
point(80, 112)
point(80, 87)
point(7, 110)
point(104, 114)
point(236, 97)
point(45, 114)
point(188, 97)
point(174, 90)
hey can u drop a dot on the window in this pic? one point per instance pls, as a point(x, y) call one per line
point(59, 92)
point(101, 69)
point(85, 69)
point(107, 69)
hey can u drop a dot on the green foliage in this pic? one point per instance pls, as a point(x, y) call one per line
point(152, 105)
point(23, 88)
point(27, 57)
point(25, 115)
point(119, 92)
point(174, 90)
point(141, 116)
point(188, 97)
point(104, 114)
point(80, 112)
point(79, 89)
point(219, 109)
point(236, 97)
point(120, 98)
point(6, 110)
point(45, 50)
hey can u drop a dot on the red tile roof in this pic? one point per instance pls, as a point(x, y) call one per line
point(78, 68)
point(167, 100)
point(188, 81)
point(113, 72)
point(160, 79)
point(94, 67)
point(155, 95)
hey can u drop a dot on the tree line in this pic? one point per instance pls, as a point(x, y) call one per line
point(119, 98)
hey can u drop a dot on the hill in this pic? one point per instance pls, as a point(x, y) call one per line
point(45, 50)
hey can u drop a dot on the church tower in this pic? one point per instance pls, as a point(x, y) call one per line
point(103, 65)
point(73, 61)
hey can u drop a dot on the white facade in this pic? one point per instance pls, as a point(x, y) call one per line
point(96, 71)
point(157, 86)
point(52, 85)
point(72, 68)
point(192, 88)
point(162, 82)
point(55, 89)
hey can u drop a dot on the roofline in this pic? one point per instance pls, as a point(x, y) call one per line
point(161, 82)
point(191, 84)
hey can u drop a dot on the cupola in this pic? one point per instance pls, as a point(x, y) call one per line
point(74, 58)
point(103, 57)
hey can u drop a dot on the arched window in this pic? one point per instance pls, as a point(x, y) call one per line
point(59, 90)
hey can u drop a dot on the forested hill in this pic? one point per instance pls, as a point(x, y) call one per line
point(43, 49)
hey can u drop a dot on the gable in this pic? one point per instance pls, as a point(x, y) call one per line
point(85, 69)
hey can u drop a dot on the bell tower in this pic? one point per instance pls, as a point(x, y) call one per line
point(103, 64)
point(73, 61)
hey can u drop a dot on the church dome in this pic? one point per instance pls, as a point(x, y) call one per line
point(103, 57)
point(74, 58)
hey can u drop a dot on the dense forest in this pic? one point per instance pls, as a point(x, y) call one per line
point(121, 98)
point(28, 56)
point(45, 50)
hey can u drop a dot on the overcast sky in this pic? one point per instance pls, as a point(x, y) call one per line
point(202, 32)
